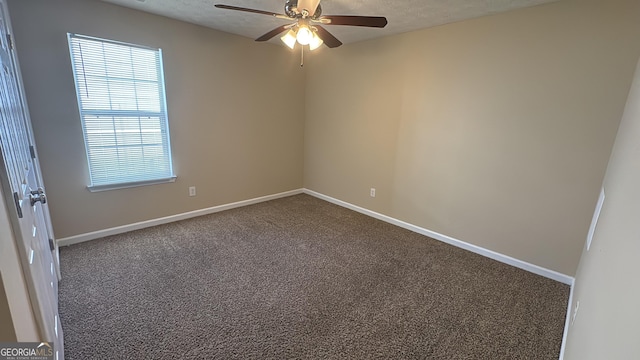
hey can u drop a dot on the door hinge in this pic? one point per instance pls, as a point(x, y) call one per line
point(52, 245)
point(32, 150)
point(9, 42)
point(17, 201)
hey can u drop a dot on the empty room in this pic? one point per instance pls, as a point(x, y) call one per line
point(335, 179)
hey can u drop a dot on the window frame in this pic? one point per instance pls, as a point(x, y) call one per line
point(162, 115)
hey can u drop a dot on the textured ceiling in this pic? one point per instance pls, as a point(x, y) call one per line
point(403, 15)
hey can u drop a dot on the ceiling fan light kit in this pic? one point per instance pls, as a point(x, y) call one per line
point(302, 37)
point(306, 29)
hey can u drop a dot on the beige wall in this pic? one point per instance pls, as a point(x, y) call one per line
point(236, 113)
point(495, 131)
point(606, 325)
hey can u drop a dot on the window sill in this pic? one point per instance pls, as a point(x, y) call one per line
point(99, 188)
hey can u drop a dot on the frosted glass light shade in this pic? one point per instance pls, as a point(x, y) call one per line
point(289, 39)
point(315, 42)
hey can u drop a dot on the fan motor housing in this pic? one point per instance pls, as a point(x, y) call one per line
point(291, 9)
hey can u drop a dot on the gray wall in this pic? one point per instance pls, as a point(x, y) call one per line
point(495, 131)
point(236, 113)
point(606, 325)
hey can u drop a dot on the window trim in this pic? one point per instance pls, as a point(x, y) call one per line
point(163, 103)
point(106, 187)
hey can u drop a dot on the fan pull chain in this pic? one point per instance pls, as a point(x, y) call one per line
point(301, 55)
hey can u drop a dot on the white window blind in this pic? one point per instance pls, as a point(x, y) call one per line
point(120, 91)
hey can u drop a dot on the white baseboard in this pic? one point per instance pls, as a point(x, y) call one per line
point(565, 279)
point(167, 219)
point(551, 274)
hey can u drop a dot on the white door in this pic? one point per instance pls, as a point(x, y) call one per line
point(20, 178)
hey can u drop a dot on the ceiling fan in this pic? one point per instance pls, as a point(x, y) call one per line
point(306, 28)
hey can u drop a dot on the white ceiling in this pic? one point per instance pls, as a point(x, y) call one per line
point(403, 15)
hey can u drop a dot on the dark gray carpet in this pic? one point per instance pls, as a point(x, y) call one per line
point(299, 278)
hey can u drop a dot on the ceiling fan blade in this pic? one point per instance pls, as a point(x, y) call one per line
point(326, 36)
point(229, 7)
point(368, 21)
point(273, 33)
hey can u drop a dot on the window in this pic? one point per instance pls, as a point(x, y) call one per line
point(120, 89)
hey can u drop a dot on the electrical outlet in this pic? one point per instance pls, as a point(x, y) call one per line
point(373, 192)
point(575, 312)
point(192, 191)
